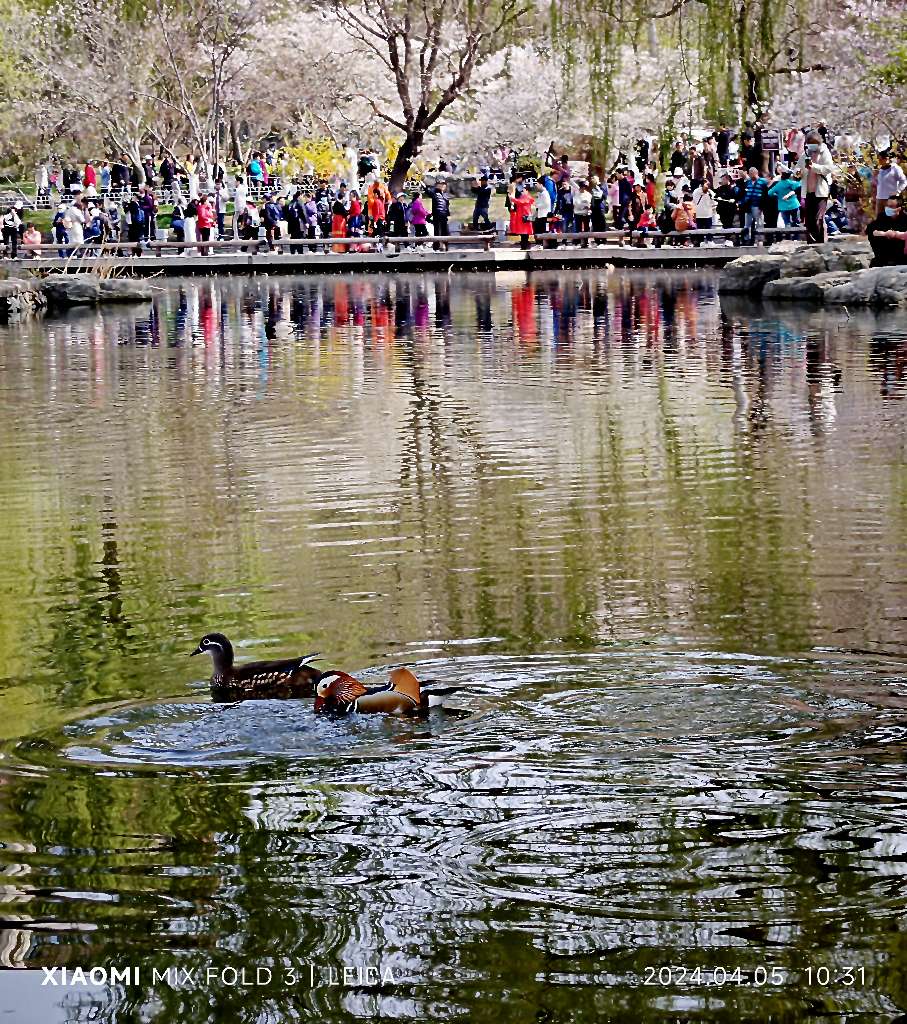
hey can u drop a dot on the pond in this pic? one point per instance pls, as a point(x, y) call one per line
point(659, 541)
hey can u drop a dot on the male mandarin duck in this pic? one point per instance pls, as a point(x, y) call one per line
point(401, 695)
point(292, 677)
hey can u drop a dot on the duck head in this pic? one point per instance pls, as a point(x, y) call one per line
point(323, 695)
point(336, 692)
point(220, 649)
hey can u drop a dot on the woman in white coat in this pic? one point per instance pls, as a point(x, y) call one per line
point(190, 224)
point(75, 224)
point(817, 168)
point(541, 210)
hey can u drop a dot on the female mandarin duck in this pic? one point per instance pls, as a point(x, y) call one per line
point(292, 677)
point(401, 695)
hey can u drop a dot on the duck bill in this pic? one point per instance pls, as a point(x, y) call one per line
point(320, 703)
point(197, 650)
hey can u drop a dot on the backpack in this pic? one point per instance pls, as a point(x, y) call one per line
point(681, 220)
point(138, 216)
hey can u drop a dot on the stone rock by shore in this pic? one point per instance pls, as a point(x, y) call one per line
point(834, 273)
point(63, 290)
point(124, 289)
point(749, 275)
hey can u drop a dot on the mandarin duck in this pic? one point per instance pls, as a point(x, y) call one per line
point(402, 695)
point(292, 677)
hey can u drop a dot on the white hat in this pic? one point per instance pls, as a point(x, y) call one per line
point(678, 173)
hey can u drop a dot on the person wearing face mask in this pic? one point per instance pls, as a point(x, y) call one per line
point(817, 168)
point(888, 249)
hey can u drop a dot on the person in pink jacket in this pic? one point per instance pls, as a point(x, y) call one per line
point(418, 217)
point(206, 219)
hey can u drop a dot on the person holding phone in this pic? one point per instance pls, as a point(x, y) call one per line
point(817, 168)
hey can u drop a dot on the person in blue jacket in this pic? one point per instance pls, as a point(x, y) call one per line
point(550, 187)
point(752, 204)
point(786, 191)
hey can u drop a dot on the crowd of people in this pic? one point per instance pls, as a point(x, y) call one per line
point(326, 213)
point(715, 184)
point(745, 186)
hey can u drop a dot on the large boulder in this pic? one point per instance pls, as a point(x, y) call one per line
point(124, 289)
point(846, 252)
point(878, 286)
point(62, 290)
point(804, 289)
point(891, 286)
point(748, 275)
point(857, 290)
point(843, 252)
point(848, 259)
point(804, 262)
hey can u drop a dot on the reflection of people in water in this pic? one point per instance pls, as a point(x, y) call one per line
point(823, 380)
point(888, 358)
point(522, 301)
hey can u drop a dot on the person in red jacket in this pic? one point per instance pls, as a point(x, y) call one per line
point(90, 177)
point(205, 220)
point(521, 216)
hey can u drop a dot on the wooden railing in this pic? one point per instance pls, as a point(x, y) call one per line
point(254, 246)
point(388, 243)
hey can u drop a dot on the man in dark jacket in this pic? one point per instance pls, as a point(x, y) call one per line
point(722, 145)
point(168, 172)
point(642, 154)
point(888, 252)
point(564, 206)
point(678, 157)
point(396, 217)
point(482, 192)
point(119, 173)
point(296, 218)
point(271, 216)
point(726, 201)
point(440, 211)
point(748, 155)
point(149, 207)
point(148, 168)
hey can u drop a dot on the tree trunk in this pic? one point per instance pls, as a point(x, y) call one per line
point(407, 153)
point(135, 155)
point(235, 147)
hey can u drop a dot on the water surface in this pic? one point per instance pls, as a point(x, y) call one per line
point(659, 541)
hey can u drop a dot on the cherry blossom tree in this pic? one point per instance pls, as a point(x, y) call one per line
point(107, 89)
point(430, 50)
